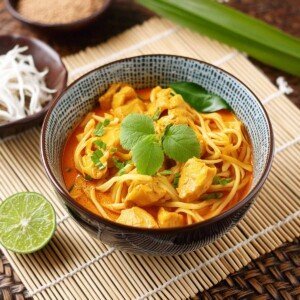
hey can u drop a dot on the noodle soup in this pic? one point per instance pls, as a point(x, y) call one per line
point(154, 158)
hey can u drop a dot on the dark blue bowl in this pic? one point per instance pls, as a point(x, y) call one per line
point(148, 71)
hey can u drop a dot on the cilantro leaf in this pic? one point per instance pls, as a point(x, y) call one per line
point(100, 144)
point(147, 155)
point(133, 128)
point(176, 179)
point(96, 158)
point(212, 196)
point(222, 181)
point(180, 143)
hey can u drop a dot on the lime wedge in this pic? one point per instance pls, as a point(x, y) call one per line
point(27, 222)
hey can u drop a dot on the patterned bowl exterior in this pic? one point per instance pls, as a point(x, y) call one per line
point(149, 71)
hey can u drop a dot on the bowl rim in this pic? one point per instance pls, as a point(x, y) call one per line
point(67, 198)
point(14, 12)
point(42, 46)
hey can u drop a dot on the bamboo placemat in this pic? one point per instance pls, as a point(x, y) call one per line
point(74, 266)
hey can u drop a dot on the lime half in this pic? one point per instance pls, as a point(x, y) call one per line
point(27, 222)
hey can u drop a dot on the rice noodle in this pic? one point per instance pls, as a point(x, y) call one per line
point(23, 89)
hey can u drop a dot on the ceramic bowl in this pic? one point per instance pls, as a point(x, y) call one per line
point(11, 6)
point(149, 71)
point(44, 57)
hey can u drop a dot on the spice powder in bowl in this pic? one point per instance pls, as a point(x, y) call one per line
point(58, 11)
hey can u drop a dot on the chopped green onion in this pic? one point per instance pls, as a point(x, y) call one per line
point(100, 144)
point(99, 129)
point(221, 181)
point(113, 150)
point(166, 172)
point(96, 158)
point(176, 179)
point(87, 177)
point(212, 196)
point(106, 122)
point(121, 165)
point(156, 115)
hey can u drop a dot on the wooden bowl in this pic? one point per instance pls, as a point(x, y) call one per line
point(44, 57)
point(11, 6)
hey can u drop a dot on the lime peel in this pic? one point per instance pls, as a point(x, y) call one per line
point(27, 222)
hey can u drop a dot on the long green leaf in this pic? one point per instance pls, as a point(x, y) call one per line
point(227, 25)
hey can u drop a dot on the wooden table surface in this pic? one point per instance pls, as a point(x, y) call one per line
point(123, 14)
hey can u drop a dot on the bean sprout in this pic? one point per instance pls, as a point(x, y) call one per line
point(23, 89)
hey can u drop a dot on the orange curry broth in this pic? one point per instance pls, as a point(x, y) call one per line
point(70, 173)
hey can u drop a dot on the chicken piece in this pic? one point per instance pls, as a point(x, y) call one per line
point(154, 92)
point(111, 136)
point(183, 115)
point(175, 116)
point(144, 193)
point(169, 219)
point(134, 106)
point(137, 217)
point(81, 187)
point(196, 177)
point(88, 167)
point(106, 99)
point(125, 94)
point(163, 99)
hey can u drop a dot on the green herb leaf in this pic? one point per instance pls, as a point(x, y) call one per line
point(147, 155)
point(121, 165)
point(100, 144)
point(113, 150)
point(99, 129)
point(180, 143)
point(101, 166)
point(156, 115)
point(269, 44)
point(166, 172)
point(121, 172)
point(133, 128)
point(106, 122)
point(199, 98)
point(118, 163)
point(176, 179)
point(220, 180)
point(88, 177)
point(96, 158)
point(212, 196)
